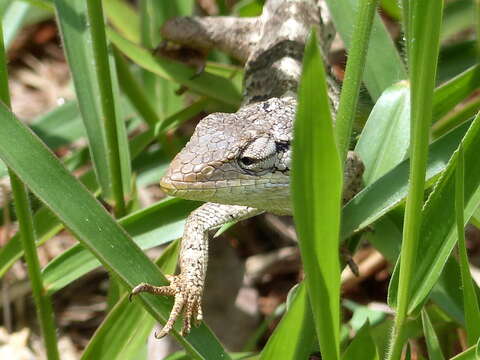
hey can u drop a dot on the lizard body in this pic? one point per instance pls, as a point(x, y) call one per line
point(239, 163)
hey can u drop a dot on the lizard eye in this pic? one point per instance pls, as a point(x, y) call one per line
point(247, 160)
point(258, 156)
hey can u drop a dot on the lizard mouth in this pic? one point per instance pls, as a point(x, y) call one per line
point(181, 188)
point(260, 193)
point(167, 185)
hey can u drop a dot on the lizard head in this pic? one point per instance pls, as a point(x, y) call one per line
point(242, 158)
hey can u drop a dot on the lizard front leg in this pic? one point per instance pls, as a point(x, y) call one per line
point(187, 287)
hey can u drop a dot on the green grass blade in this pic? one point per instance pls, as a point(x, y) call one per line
point(135, 93)
point(153, 15)
point(42, 4)
point(433, 345)
point(4, 91)
point(96, 106)
point(176, 119)
point(454, 91)
point(13, 19)
point(437, 244)
point(392, 8)
point(61, 126)
point(127, 325)
point(121, 106)
point(353, 74)
point(317, 199)
point(58, 127)
point(456, 58)
point(446, 293)
point(381, 71)
point(423, 43)
point(26, 233)
point(153, 226)
point(391, 189)
point(207, 84)
point(385, 138)
point(476, 217)
point(91, 224)
point(46, 225)
point(477, 351)
point(470, 301)
point(149, 39)
point(124, 17)
point(110, 123)
point(438, 230)
point(294, 337)
point(77, 42)
point(477, 29)
point(43, 303)
point(467, 111)
point(362, 346)
point(469, 354)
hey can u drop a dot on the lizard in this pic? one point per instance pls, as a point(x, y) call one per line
point(239, 163)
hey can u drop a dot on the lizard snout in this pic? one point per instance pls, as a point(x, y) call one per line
point(167, 185)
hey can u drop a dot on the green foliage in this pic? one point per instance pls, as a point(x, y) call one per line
point(470, 300)
point(433, 345)
point(362, 346)
point(26, 234)
point(295, 336)
point(317, 198)
point(423, 178)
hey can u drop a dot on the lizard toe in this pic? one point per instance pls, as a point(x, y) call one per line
point(187, 300)
point(174, 314)
point(199, 317)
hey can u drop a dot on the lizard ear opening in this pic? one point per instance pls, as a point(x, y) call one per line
point(258, 156)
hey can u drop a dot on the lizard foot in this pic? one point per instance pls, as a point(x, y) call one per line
point(187, 301)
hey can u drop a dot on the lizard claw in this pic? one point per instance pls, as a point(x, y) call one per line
point(187, 300)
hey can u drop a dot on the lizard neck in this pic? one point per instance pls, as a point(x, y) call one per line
point(274, 66)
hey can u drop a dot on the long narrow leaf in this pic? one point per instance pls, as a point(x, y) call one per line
point(423, 27)
point(385, 138)
point(390, 190)
point(455, 90)
point(47, 224)
point(206, 84)
point(13, 19)
point(470, 301)
point(438, 231)
point(362, 346)
point(380, 71)
point(433, 345)
point(353, 74)
point(135, 92)
point(77, 44)
point(83, 43)
point(317, 199)
point(26, 233)
point(91, 224)
point(124, 18)
point(469, 354)
point(294, 338)
point(109, 121)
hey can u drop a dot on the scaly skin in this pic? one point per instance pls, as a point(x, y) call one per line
point(240, 163)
